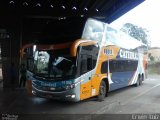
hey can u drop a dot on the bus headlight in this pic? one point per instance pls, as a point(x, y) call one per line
point(71, 96)
point(71, 86)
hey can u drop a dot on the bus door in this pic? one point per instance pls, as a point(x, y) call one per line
point(85, 76)
point(88, 57)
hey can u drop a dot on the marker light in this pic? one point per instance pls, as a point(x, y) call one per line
point(51, 6)
point(74, 8)
point(38, 4)
point(25, 4)
point(86, 9)
point(11, 2)
point(63, 7)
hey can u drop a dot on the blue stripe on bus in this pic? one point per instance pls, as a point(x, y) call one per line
point(121, 79)
point(52, 83)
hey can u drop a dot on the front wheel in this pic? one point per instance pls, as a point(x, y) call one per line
point(102, 91)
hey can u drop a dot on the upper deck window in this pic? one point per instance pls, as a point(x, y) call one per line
point(93, 30)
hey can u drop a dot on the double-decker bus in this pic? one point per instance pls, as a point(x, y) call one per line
point(103, 60)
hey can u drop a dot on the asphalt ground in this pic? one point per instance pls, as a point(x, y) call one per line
point(123, 103)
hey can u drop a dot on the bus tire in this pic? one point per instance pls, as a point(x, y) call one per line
point(102, 91)
point(141, 79)
point(138, 81)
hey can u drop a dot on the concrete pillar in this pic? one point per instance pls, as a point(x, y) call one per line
point(5, 53)
point(10, 48)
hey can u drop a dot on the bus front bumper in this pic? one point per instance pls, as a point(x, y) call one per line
point(68, 95)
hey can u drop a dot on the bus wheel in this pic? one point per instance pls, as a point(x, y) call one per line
point(138, 81)
point(102, 91)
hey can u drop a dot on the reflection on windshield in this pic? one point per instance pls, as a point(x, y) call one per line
point(50, 66)
point(93, 30)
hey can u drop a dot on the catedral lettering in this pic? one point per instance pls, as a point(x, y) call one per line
point(97, 63)
point(128, 54)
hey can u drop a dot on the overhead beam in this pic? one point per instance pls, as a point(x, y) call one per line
point(120, 8)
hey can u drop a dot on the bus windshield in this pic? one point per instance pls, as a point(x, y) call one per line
point(93, 30)
point(49, 65)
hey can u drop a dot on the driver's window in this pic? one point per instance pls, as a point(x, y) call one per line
point(89, 63)
point(83, 64)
